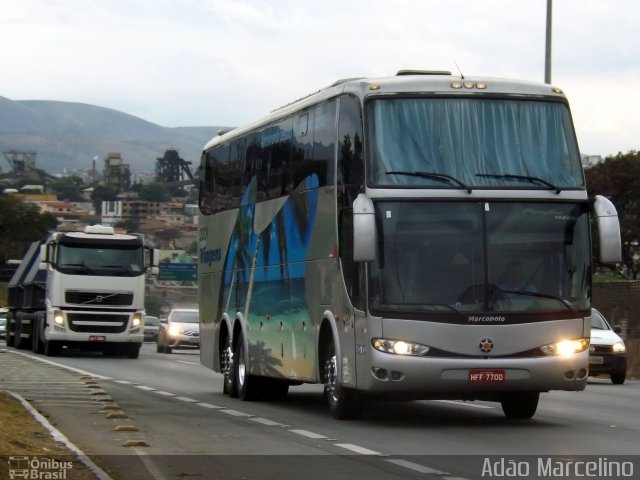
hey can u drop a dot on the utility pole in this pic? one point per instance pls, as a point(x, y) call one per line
point(547, 56)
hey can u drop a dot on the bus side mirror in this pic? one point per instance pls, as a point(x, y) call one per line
point(364, 229)
point(608, 230)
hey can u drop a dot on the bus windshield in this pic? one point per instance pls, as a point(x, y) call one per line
point(480, 257)
point(474, 142)
point(107, 260)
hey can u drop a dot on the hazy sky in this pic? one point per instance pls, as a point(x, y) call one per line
point(225, 62)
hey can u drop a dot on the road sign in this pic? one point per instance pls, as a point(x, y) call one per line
point(181, 272)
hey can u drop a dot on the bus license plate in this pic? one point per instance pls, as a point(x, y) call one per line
point(486, 376)
point(596, 360)
point(97, 338)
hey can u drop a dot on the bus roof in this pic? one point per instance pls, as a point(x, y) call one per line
point(405, 82)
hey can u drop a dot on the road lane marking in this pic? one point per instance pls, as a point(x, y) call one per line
point(165, 394)
point(144, 387)
point(464, 404)
point(124, 382)
point(308, 434)
point(77, 370)
point(236, 413)
point(266, 421)
point(207, 405)
point(189, 363)
point(357, 449)
point(186, 399)
point(415, 466)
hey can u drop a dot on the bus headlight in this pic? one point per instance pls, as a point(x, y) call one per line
point(399, 347)
point(566, 347)
point(618, 347)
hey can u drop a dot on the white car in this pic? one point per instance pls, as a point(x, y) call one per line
point(3, 323)
point(181, 329)
point(607, 353)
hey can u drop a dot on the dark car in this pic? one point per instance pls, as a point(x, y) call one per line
point(181, 329)
point(607, 353)
point(151, 327)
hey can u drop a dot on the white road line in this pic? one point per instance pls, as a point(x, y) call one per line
point(266, 421)
point(164, 394)
point(207, 405)
point(307, 433)
point(124, 382)
point(357, 449)
point(190, 363)
point(235, 413)
point(415, 466)
point(144, 387)
point(77, 370)
point(186, 399)
point(464, 404)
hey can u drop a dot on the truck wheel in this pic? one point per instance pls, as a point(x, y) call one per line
point(133, 350)
point(38, 333)
point(52, 348)
point(618, 378)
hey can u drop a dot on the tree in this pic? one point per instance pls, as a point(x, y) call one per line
point(67, 188)
point(155, 192)
point(103, 193)
point(20, 225)
point(618, 179)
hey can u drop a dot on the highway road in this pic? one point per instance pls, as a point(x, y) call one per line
point(179, 409)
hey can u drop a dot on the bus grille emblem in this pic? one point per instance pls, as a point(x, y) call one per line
point(486, 345)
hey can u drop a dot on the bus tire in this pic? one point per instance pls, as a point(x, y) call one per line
point(229, 385)
point(521, 405)
point(248, 385)
point(344, 403)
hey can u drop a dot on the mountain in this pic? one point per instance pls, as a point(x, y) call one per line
point(69, 135)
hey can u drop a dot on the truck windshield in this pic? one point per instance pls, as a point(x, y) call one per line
point(108, 260)
point(453, 258)
point(471, 143)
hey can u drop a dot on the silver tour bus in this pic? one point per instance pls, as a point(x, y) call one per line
point(421, 236)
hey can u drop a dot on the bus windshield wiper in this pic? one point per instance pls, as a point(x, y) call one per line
point(528, 178)
point(436, 176)
point(538, 295)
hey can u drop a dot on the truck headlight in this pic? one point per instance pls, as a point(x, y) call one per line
point(566, 348)
point(399, 347)
point(136, 321)
point(58, 317)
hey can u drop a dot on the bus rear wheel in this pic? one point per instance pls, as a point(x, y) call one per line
point(248, 385)
point(344, 403)
point(520, 405)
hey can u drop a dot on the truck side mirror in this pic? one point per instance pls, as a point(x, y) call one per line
point(608, 230)
point(364, 229)
point(154, 256)
point(44, 257)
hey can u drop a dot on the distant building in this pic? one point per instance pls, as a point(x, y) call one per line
point(590, 160)
point(116, 172)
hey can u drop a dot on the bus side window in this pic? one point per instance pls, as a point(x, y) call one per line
point(207, 190)
point(351, 270)
point(350, 174)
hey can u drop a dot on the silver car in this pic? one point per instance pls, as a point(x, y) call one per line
point(181, 329)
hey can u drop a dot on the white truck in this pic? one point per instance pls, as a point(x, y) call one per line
point(81, 290)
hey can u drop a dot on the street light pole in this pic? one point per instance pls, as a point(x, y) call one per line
point(547, 56)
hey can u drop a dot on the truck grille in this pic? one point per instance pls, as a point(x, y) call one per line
point(89, 322)
point(98, 298)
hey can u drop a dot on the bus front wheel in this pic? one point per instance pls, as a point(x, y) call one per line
point(520, 405)
point(344, 403)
